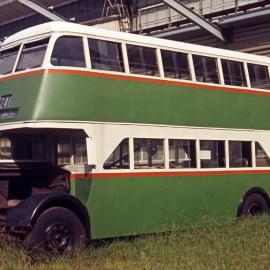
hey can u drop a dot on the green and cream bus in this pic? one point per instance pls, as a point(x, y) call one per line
point(107, 134)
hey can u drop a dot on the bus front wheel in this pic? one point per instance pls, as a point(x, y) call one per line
point(254, 204)
point(57, 230)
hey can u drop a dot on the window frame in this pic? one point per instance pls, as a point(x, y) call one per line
point(87, 38)
point(156, 49)
point(21, 50)
point(54, 39)
point(267, 70)
point(216, 58)
point(71, 141)
point(189, 60)
point(245, 72)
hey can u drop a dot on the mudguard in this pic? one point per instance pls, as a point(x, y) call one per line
point(22, 218)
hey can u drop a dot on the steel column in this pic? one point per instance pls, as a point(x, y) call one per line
point(196, 18)
point(43, 10)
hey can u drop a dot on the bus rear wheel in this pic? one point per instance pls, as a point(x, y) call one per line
point(255, 204)
point(57, 231)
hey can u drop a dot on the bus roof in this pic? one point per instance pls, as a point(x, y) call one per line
point(73, 28)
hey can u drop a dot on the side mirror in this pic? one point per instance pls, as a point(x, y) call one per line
point(91, 151)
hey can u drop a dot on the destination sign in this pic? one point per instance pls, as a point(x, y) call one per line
point(10, 113)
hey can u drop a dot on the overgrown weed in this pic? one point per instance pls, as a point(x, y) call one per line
point(239, 245)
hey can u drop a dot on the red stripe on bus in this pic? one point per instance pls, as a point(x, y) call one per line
point(147, 174)
point(139, 79)
point(24, 74)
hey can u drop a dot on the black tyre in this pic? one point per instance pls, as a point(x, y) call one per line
point(254, 204)
point(57, 230)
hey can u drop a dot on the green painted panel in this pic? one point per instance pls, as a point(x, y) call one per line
point(127, 206)
point(85, 98)
point(25, 93)
point(75, 97)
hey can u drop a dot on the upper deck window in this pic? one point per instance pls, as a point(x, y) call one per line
point(105, 55)
point(259, 77)
point(68, 51)
point(142, 60)
point(206, 69)
point(32, 55)
point(234, 73)
point(175, 65)
point(7, 60)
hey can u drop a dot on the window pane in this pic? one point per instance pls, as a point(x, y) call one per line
point(233, 73)
point(106, 55)
point(262, 160)
point(119, 159)
point(182, 154)
point(240, 154)
point(32, 55)
point(64, 152)
point(205, 69)
point(37, 150)
point(68, 51)
point(175, 65)
point(212, 154)
point(7, 60)
point(148, 153)
point(142, 60)
point(5, 148)
point(259, 77)
point(80, 153)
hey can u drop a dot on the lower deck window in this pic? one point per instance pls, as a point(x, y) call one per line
point(240, 154)
point(71, 151)
point(119, 159)
point(182, 154)
point(63, 152)
point(149, 153)
point(262, 159)
point(212, 154)
point(5, 148)
point(22, 147)
point(80, 153)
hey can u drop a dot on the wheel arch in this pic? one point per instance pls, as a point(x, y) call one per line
point(23, 217)
point(252, 190)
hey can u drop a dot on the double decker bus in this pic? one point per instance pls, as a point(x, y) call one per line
point(107, 134)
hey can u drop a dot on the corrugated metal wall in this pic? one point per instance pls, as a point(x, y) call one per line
point(250, 39)
point(82, 10)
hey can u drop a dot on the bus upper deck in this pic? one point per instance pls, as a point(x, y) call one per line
point(81, 66)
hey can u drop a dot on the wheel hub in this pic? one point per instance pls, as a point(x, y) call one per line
point(255, 209)
point(59, 238)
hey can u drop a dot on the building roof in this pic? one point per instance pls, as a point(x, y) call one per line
point(73, 28)
point(13, 10)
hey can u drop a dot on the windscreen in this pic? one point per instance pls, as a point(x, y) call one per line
point(7, 60)
point(32, 55)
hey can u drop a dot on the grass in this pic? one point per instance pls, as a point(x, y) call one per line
point(242, 245)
